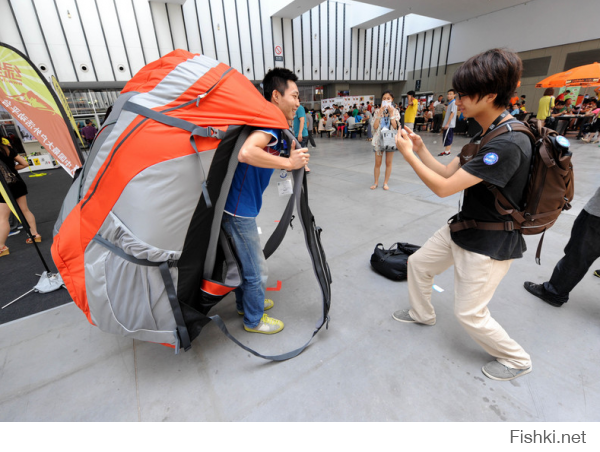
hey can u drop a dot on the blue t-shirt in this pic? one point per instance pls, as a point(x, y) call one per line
point(300, 113)
point(250, 182)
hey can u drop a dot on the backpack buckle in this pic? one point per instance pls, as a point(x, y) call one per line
point(509, 226)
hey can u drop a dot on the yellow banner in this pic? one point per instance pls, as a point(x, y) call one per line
point(28, 97)
point(65, 104)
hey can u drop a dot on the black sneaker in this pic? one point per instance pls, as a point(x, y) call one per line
point(539, 291)
point(597, 273)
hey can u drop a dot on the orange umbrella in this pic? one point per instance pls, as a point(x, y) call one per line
point(588, 75)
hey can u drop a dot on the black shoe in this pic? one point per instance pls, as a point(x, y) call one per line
point(597, 273)
point(539, 291)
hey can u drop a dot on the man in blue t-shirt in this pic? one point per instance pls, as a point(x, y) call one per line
point(300, 126)
point(258, 157)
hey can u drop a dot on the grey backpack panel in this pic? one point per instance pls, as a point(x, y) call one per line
point(152, 203)
point(112, 281)
point(104, 141)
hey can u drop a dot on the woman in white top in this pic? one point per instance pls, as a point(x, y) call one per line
point(388, 118)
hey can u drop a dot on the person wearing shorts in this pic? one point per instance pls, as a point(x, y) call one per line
point(386, 118)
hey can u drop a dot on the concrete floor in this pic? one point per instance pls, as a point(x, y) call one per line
point(366, 366)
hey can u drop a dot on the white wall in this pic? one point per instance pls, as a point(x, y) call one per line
point(243, 34)
point(529, 26)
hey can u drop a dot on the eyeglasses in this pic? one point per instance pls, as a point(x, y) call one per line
point(460, 95)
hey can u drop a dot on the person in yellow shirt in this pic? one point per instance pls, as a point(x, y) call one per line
point(411, 111)
point(546, 104)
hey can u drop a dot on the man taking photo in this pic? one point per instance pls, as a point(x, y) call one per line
point(481, 257)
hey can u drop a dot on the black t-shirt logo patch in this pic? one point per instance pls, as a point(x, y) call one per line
point(490, 158)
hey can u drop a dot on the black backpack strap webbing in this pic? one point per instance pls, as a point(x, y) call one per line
point(312, 237)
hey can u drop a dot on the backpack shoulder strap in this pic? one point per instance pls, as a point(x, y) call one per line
point(312, 235)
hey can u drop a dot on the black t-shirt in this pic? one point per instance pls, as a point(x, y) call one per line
point(504, 162)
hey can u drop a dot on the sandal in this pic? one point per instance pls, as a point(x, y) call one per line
point(373, 187)
point(37, 238)
point(4, 251)
point(385, 187)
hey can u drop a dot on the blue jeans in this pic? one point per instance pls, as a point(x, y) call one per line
point(580, 253)
point(250, 296)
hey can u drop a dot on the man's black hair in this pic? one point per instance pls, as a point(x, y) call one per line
point(277, 79)
point(411, 93)
point(496, 71)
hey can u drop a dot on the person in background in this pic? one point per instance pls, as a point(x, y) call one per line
point(310, 128)
point(580, 253)
point(593, 126)
point(516, 109)
point(523, 109)
point(411, 110)
point(564, 95)
point(89, 132)
point(386, 118)
point(428, 116)
point(546, 104)
point(449, 123)
point(18, 189)
point(438, 114)
point(350, 123)
point(301, 128)
point(369, 121)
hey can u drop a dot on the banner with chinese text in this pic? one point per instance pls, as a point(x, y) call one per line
point(65, 104)
point(26, 95)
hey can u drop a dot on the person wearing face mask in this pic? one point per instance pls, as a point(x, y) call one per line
point(386, 118)
point(258, 157)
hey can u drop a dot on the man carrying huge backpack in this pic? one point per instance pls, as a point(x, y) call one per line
point(258, 157)
point(481, 257)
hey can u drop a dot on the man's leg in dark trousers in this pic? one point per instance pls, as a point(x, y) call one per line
point(580, 253)
point(311, 139)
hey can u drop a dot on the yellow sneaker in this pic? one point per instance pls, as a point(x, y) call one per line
point(268, 325)
point(268, 305)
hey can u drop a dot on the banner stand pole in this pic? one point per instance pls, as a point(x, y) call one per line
point(22, 219)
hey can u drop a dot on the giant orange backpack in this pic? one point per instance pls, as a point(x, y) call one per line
point(138, 241)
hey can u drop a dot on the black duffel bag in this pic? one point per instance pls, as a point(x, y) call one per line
point(391, 263)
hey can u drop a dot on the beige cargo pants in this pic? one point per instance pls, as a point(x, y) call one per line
point(475, 280)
